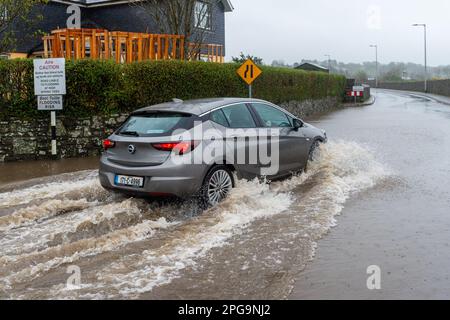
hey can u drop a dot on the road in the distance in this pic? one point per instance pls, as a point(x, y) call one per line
point(403, 227)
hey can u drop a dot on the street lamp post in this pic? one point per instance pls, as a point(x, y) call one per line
point(425, 45)
point(376, 63)
point(329, 62)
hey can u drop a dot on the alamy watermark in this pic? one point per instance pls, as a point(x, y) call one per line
point(74, 20)
point(374, 280)
point(74, 281)
point(254, 146)
point(374, 21)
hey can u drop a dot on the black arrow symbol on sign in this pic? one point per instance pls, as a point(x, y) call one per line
point(249, 69)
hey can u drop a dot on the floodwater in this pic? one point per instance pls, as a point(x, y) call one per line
point(384, 171)
point(13, 172)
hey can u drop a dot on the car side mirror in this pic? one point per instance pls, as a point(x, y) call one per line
point(298, 124)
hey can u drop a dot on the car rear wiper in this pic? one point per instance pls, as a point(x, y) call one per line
point(129, 133)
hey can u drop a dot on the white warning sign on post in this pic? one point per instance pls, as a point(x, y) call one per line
point(49, 77)
point(50, 103)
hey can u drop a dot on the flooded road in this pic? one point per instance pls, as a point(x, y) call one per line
point(20, 173)
point(385, 170)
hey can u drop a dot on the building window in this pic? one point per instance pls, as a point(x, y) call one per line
point(203, 15)
point(3, 14)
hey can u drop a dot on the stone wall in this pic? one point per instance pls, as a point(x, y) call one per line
point(30, 140)
point(309, 108)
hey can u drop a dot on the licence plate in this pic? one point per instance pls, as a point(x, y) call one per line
point(137, 182)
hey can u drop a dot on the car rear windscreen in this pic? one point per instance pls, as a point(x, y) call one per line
point(156, 124)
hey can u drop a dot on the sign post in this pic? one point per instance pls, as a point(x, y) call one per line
point(358, 91)
point(49, 87)
point(249, 71)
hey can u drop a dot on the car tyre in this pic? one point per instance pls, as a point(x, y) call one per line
point(217, 186)
point(313, 151)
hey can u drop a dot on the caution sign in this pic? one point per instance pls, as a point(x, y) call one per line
point(49, 77)
point(249, 71)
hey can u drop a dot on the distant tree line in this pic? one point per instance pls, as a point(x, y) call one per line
point(394, 71)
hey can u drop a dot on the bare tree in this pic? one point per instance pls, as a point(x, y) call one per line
point(12, 13)
point(190, 18)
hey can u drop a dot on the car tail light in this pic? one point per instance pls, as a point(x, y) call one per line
point(178, 148)
point(108, 144)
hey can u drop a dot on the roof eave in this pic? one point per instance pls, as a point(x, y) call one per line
point(228, 5)
point(312, 64)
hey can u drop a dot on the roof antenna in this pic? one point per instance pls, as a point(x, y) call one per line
point(176, 100)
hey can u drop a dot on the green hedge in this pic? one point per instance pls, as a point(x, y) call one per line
point(104, 87)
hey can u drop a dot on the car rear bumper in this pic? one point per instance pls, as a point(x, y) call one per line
point(163, 180)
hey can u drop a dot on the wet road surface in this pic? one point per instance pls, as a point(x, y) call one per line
point(401, 225)
point(385, 170)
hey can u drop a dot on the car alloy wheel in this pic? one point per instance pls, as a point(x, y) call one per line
point(220, 185)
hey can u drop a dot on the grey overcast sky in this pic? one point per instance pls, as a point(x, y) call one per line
point(293, 30)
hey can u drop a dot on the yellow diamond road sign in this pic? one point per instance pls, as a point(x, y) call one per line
point(249, 71)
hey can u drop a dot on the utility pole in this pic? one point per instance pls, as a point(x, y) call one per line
point(376, 63)
point(425, 46)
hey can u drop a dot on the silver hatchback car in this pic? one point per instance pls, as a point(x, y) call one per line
point(200, 147)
